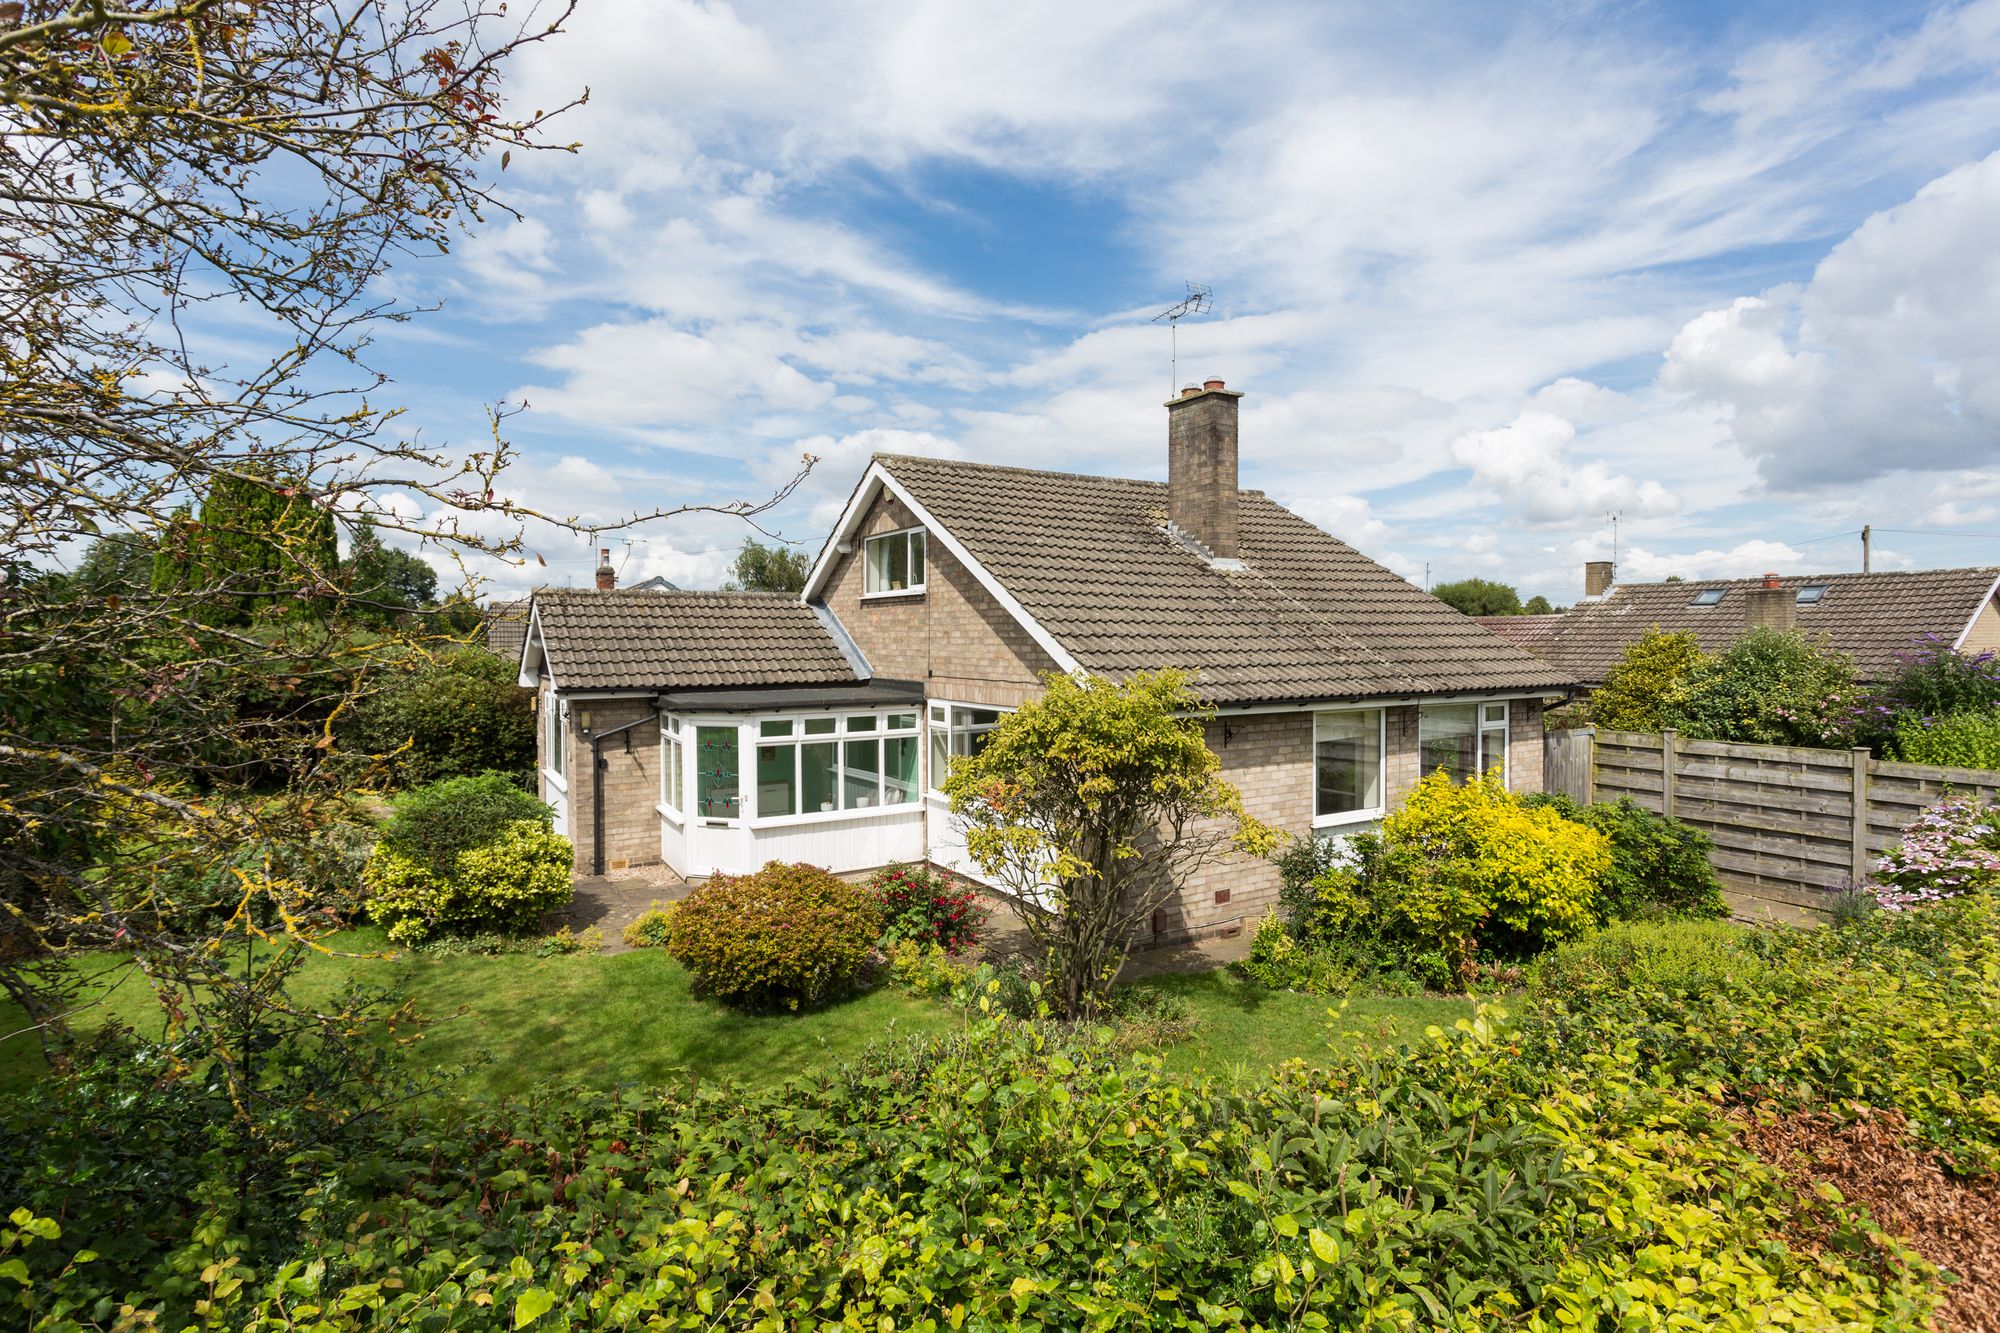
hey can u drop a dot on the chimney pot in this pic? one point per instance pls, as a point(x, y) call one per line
point(1770, 580)
point(607, 577)
point(1201, 467)
point(1597, 577)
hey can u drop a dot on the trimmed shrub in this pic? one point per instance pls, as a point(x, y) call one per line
point(1630, 698)
point(650, 928)
point(1668, 958)
point(1461, 868)
point(432, 825)
point(927, 906)
point(1659, 866)
point(505, 885)
point(926, 969)
point(786, 936)
point(1956, 740)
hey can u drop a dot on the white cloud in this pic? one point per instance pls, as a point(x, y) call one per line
point(1529, 464)
point(1889, 359)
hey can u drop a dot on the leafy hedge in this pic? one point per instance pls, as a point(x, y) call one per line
point(506, 885)
point(785, 936)
point(456, 715)
point(1659, 865)
point(1896, 1009)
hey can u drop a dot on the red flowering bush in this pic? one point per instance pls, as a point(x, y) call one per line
point(926, 906)
point(787, 936)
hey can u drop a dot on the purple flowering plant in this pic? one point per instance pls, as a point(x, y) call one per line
point(1952, 849)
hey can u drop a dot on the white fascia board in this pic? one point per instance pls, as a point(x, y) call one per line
point(1383, 701)
point(849, 649)
point(843, 530)
point(531, 641)
point(878, 479)
point(1984, 603)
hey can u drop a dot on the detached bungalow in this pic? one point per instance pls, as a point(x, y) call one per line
point(717, 731)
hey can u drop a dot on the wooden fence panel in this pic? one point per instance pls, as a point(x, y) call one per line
point(1791, 826)
point(1566, 762)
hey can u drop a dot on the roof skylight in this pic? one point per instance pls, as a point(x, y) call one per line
point(1708, 597)
point(1811, 593)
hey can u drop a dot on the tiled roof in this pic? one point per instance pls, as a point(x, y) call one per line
point(1309, 617)
point(679, 640)
point(1870, 617)
point(1522, 631)
point(506, 627)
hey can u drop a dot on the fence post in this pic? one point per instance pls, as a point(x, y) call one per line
point(1858, 861)
point(1669, 743)
point(1589, 765)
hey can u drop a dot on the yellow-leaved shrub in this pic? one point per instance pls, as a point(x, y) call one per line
point(1461, 867)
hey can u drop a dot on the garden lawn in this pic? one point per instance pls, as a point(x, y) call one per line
point(516, 1021)
point(1243, 1029)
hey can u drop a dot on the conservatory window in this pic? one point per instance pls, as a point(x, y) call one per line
point(895, 563)
point(956, 730)
point(555, 749)
point(670, 763)
point(865, 761)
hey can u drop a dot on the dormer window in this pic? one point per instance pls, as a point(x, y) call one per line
point(1811, 593)
point(1708, 597)
point(895, 563)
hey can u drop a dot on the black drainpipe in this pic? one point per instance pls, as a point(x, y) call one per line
point(597, 767)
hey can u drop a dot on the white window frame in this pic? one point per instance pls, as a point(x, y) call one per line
point(1483, 725)
point(910, 536)
point(1380, 808)
point(933, 722)
point(673, 777)
point(555, 741)
point(843, 732)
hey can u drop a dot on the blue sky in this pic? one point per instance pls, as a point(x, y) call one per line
point(1487, 274)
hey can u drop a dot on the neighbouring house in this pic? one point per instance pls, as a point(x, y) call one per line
point(1876, 619)
point(717, 731)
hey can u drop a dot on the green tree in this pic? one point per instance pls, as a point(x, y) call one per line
point(261, 548)
point(1480, 597)
point(1086, 807)
point(383, 582)
point(1538, 605)
point(1771, 687)
point(120, 565)
point(459, 714)
point(1634, 691)
point(761, 568)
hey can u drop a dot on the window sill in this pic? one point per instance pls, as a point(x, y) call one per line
point(1349, 819)
point(899, 595)
point(671, 815)
point(556, 780)
point(835, 816)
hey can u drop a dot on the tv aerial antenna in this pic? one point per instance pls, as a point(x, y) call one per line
point(1614, 516)
point(1196, 302)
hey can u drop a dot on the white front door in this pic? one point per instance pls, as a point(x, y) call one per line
point(718, 837)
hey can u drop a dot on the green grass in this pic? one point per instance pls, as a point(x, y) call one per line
point(1244, 1029)
point(515, 1021)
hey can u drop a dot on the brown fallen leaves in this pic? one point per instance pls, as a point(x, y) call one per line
point(1872, 1160)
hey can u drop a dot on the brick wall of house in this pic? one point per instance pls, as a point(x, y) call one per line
point(954, 636)
point(631, 782)
point(1524, 745)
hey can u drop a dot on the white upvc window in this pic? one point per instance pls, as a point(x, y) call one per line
point(1465, 740)
point(1347, 766)
point(671, 757)
point(555, 747)
point(894, 564)
point(809, 766)
point(958, 729)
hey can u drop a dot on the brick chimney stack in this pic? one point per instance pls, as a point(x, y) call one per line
point(1201, 466)
point(1773, 606)
point(607, 577)
point(1597, 577)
